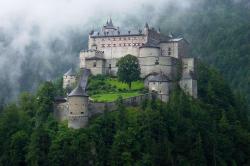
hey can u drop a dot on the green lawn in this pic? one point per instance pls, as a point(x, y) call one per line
point(137, 85)
point(108, 97)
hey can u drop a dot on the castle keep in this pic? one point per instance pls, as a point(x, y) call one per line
point(163, 59)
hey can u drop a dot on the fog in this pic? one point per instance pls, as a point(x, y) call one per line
point(41, 39)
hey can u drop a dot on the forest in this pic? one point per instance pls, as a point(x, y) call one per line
point(211, 130)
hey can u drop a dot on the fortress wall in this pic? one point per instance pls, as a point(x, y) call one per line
point(173, 52)
point(149, 51)
point(110, 66)
point(119, 46)
point(78, 121)
point(61, 111)
point(189, 86)
point(188, 64)
point(98, 68)
point(99, 107)
point(167, 65)
point(83, 55)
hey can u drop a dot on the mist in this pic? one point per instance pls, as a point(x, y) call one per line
point(41, 39)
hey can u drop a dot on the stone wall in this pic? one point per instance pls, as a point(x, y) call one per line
point(99, 107)
point(61, 111)
point(189, 86)
point(96, 66)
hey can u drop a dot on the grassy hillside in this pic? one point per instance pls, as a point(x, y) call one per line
point(105, 88)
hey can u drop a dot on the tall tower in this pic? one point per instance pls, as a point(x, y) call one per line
point(78, 108)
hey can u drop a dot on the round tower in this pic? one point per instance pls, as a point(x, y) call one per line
point(78, 108)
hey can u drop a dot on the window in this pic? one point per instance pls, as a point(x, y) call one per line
point(113, 39)
point(70, 112)
point(124, 44)
point(114, 45)
point(81, 112)
point(110, 66)
point(103, 45)
point(94, 64)
point(120, 45)
point(169, 51)
point(124, 38)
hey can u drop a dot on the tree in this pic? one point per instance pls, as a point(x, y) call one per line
point(128, 69)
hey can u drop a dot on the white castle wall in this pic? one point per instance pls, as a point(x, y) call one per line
point(96, 66)
point(149, 51)
point(118, 46)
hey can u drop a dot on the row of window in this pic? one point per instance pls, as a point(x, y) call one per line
point(122, 38)
point(122, 45)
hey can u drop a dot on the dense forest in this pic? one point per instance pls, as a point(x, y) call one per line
point(213, 130)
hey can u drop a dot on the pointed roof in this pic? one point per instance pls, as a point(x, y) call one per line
point(78, 91)
point(70, 73)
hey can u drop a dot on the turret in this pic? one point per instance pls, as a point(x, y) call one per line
point(69, 79)
point(146, 28)
point(78, 108)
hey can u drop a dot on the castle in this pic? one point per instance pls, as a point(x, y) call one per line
point(163, 59)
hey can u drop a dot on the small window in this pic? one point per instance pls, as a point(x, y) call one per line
point(113, 39)
point(103, 45)
point(114, 45)
point(81, 112)
point(169, 51)
point(94, 64)
point(124, 44)
point(110, 66)
point(120, 45)
point(70, 112)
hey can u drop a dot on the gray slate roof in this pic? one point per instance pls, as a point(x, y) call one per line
point(78, 91)
point(160, 78)
point(149, 45)
point(70, 73)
